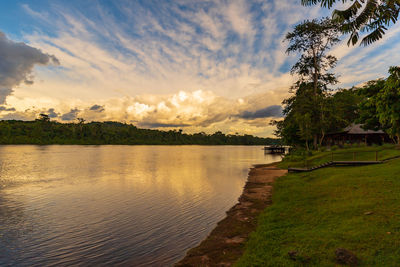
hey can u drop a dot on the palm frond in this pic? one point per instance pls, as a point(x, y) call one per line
point(348, 13)
point(365, 15)
point(371, 16)
point(353, 38)
point(373, 36)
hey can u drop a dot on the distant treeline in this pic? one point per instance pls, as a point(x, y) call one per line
point(43, 131)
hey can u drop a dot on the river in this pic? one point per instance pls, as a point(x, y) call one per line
point(115, 205)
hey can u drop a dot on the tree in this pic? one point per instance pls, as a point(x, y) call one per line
point(380, 105)
point(78, 128)
point(372, 16)
point(368, 115)
point(312, 39)
point(305, 127)
point(388, 104)
point(345, 105)
point(44, 118)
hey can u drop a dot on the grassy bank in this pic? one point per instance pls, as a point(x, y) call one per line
point(358, 153)
point(315, 213)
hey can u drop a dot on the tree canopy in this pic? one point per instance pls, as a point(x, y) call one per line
point(313, 39)
point(380, 105)
point(363, 16)
point(388, 104)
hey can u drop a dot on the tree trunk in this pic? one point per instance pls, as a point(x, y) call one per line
point(322, 137)
point(315, 142)
point(322, 122)
point(315, 80)
point(315, 74)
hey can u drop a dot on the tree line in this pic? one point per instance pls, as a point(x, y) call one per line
point(43, 131)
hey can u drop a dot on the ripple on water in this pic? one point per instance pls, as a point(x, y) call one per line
point(114, 205)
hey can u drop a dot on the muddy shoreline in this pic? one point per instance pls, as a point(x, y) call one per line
point(225, 244)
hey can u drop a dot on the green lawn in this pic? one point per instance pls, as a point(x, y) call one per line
point(360, 153)
point(317, 212)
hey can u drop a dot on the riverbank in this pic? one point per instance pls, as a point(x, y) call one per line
point(225, 244)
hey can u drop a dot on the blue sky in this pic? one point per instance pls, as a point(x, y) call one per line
point(200, 65)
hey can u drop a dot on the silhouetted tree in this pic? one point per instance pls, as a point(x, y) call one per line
point(312, 39)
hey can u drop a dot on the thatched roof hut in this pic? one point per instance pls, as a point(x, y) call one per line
point(354, 133)
point(357, 129)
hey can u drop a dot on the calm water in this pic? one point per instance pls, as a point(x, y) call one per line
point(115, 205)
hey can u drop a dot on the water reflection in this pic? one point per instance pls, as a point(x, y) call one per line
point(119, 205)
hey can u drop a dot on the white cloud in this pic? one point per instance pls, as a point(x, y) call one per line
point(237, 13)
point(198, 110)
point(199, 66)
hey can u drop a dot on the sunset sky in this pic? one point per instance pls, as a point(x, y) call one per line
point(193, 65)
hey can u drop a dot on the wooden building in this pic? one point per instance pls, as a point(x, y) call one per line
point(355, 134)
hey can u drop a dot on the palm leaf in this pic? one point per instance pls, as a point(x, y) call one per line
point(374, 18)
point(348, 13)
point(373, 36)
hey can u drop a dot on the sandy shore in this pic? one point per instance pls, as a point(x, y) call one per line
point(225, 244)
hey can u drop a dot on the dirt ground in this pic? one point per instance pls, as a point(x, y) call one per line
point(225, 244)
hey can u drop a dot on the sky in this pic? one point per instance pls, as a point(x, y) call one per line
point(200, 66)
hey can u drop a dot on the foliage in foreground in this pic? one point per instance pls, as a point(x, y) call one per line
point(362, 16)
point(43, 131)
point(313, 214)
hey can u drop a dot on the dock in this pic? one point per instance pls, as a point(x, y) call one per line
point(275, 149)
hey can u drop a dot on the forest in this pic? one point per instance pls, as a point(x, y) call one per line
point(43, 131)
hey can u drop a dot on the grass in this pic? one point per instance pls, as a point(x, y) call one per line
point(358, 153)
point(315, 213)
